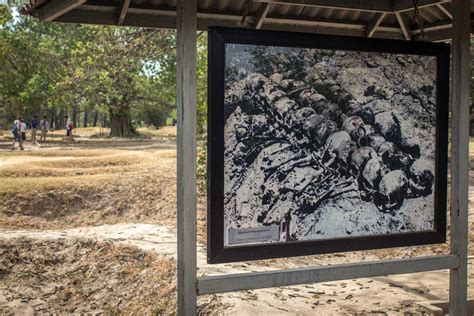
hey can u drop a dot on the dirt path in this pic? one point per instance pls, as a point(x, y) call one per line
point(393, 295)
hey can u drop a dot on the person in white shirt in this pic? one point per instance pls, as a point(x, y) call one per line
point(17, 128)
point(23, 129)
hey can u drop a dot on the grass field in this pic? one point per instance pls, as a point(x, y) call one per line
point(63, 187)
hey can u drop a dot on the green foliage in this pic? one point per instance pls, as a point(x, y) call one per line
point(50, 68)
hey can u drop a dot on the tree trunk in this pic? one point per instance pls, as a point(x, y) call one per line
point(75, 113)
point(54, 119)
point(121, 125)
point(61, 122)
point(96, 118)
point(86, 118)
point(120, 122)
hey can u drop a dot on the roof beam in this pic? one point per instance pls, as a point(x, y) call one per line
point(433, 27)
point(56, 8)
point(374, 24)
point(445, 10)
point(407, 5)
point(123, 11)
point(359, 5)
point(261, 15)
point(403, 26)
point(166, 18)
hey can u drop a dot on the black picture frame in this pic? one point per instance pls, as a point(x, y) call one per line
point(218, 37)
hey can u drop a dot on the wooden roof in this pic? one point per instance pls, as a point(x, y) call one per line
point(370, 18)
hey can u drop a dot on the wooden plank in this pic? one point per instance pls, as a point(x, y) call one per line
point(56, 8)
point(435, 36)
point(374, 23)
point(261, 15)
point(403, 26)
point(327, 23)
point(436, 26)
point(460, 80)
point(186, 24)
point(359, 5)
point(260, 280)
point(446, 11)
point(123, 11)
point(329, 31)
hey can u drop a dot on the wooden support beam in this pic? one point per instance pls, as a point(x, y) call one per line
point(261, 15)
point(123, 11)
point(260, 280)
point(186, 26)
point(56, 8)
point(403, 26)
point(359, 5)
point(374, 23)
point(446, 11)
point(460, 102)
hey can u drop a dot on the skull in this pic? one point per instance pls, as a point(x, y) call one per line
point(315, 127)
point(286, 84)
point(299, 117)
point(308, 97)
point(400, 160)
point(360, 156)
point(276, 78)
point(281, 107)
point(421, 177)
point(256, 81)
point(373, 172)
point(272, 93)
point(340, 145)
point(392, 191)
point(365, 112)
point(352, 124)
point(328, 109)
point(387, 150)
point(372, 140)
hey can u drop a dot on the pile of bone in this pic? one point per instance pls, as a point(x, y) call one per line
point(361, 144)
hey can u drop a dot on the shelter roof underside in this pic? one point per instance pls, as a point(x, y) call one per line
point(370, 18)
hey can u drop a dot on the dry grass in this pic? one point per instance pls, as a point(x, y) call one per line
point(83, 276)
point(165, 131)
point(90, 131)
point(65, 188)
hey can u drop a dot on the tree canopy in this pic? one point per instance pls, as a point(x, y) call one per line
point(127, 74)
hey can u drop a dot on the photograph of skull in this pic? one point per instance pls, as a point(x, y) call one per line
point(326, 143)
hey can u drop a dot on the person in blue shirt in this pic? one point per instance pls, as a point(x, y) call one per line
point(34, 127)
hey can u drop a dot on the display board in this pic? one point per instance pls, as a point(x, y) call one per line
point(324, 144)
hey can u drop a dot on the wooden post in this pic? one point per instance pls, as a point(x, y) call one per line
point(186, 25)
point(460, 154)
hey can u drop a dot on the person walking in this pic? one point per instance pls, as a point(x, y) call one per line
point(69, 127)
point(34, 127)
point(23, 130)
point(16, 131)
point(44, 127)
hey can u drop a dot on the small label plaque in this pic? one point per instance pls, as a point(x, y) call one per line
point(254, 235)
